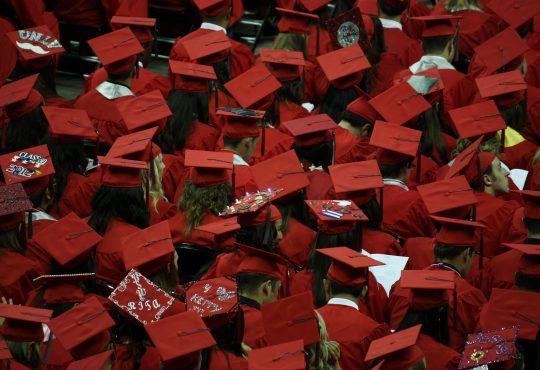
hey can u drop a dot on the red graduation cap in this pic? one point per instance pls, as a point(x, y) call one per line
point(312, 5)
point(456, 233)
point(512, 307)
point(311, 130)
point(283, 171)
point(240, 123)
point(23, 323)
point(5, 354)
point(515, 12)
point(285, 65)
point(212, 8)
point(96, 362)
point(293, 21)
point(350, 28)
point(427, 82)
point(36, 42)
point(439, 25)
point(69, 125)
point(368, 7)
point(191, 77)
point(344, 67)
point(252, 86)
point(144, 111)
point(176, 337)
point(221, 227)
point(532, 204)
point(489, 347)
point(529, 264)
point(258, 261)
point(252, 208)
point(475, 120)
point(398, 349)
point(464, 159)
point(26, 165)
point(215, 300)
point(349, 267)
point(291, 318)
point(148, 250)
point(140, 298)
point(68, 240)
point(121, 172)
point(209, 168)
point(506, 88)
point(207, 48)
point(13, 203)
point(398, 143)
point(447, 194)
point(429, 288)
point(336, 216)
point(284, 356)
point(137, 146)
point(357, 176)
point(362, 108)
point(19, 97)
point(400, 103)
point(117, 50)
point(141, 27)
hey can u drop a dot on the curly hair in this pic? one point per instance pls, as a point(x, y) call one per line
point(492, 145)
point(197, 201)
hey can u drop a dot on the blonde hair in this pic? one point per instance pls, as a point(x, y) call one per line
point(451, 6)
point(291, 42)
point(156, 187)
point(323, 360)
point(492, 145)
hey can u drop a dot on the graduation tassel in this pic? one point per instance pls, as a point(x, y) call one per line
point(480, 259)
point(333, 146)
point(267, 233)
point(317, 41)
point(233, 180)
point(418, 165)
point(30, 230)
point(455, 307)
point(263, 138)
point(381, 203)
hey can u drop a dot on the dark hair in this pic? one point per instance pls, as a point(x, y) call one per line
point(433, 45)
point(318, 155)
point(390, 10)
point(391, 171)
point(430, 124)
point(373, 54)
point(253, 236)
point(231, 142)
point(249, 282)
point(229, 336)
point(25, 132)
point(479, 182)
point(434, 322)
point(525, 282)
point(127, 204)
point(355, 120)
point(122, 75)
point(447, 252)
point(532, 225)
point(373, 211)
point(14, 239)
point(291, 91)
point(515, 116)
point(137, 343)
point(335, 101)
point(223, 71)
point(355, 291)
point(293, 208)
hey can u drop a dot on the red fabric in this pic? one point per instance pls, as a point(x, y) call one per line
point(438, 356)
point(503, 269)
point(35, 252)
point(16, 280)
point(320, 186)
point(350, 148)
point(428, 168)
point(376, 241)
point(414, 29)
point(59, 357)
point(202, 137)
point(476, 27)
point(289, 111)
point(165, 211)
point(220, 359)
point(354, 331)
point(124, 358)
point(79, 12)
point(276, 142)
point(406, 49)
point(244, 182)
point(459, 90)
point(296, 243)
point(172, 174)
point(203, 239)
point(58, 101)
point(254, 334)
point(226, 264)
point(325, 43)
point(532, 131)
point(383, 73)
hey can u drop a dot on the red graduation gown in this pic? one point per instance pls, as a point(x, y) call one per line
point(163, 211)
point(354, 332)
point(275, 142)
point(377, 241)
point(172, 174)
point(320, 186)
point(16, 279)
point(124, 358)
point(220, 359)
point(289, 111)
point(398, 43)
point(476, 27)
point(59, 357)
point(325, 42)
point(383, 73)
point(202, 239)
point(503, 269)
point(296, 243)
point(438, 356)
point(351, 148)
point(254, 334)
point(79, 12)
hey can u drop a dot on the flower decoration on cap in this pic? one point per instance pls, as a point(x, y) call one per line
point(489, 347)
point(251, 202)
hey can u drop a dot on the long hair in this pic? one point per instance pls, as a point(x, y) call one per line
point(335, 102)
point(373, 54)
point(253, 236)
point(318, 155)
point(373, 211)
point(434, 323)
point(25, 132)
point(197, 201)
point(291, 42)
point(156, 187)
point(14, 239)
point(432, 136)
point(450, 5)
point(515, 116)
point(127, 204)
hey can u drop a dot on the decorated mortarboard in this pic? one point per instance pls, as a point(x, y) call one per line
point(36, 42)
point(336, 210)
point(148, 250)
point(398, 349)
point(23, 323)
point(253, 86)
point(344, 67)
point(67, 125)
point(291, 318)
point(201, 47)
point(293, 21)
point(190, 76)
point(500, 50)
point(456, 233)
point(117, 50)
point(25, 165)
point(283, 171)
point(349, 267)
point(478, 119)
point(398, 143)
point(215, 300)
point(95, 362)
point(447, 194)
point(13, 203)
point(401, 103)
point(439, 25)
point(140, 298)
point(347, 29)
point(489, 347)
point(144, 111)
point(141, 27)
point(240, 122)
point(283, 356)
point(515, 12)
point(212, 8)
point(248, 208)
point(285, 65)
point(532, 204)
point(311, 130)
point(68, 240)
point(357, 176)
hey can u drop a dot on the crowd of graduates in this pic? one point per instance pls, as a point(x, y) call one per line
point(365, 194)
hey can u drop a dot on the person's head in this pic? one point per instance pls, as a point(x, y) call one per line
point(400, 171)
point(244, 147)
point(515, 115)
point(443, 46)
point(320, 155)
point(533, 227)
point(334, 289)
point(254, 236)
point(495, 179)
point(156, 185)
point(453, 5)
point(26, 131)
point(356, 125)
point(221, 19)
point(124, 77)
point(434, 322)
point(392, 8)
point(322, 355)
point(291, 42)
point(261, 288)
point(459, 257)
point(335, 101)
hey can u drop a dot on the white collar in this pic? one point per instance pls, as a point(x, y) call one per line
point(388, 23)
point(430, 61)
point(396, 182)
point(344, 302)
point(239, 161)
point(39, 215)
point(213, 27)
point(466, 7)
point(113, 91)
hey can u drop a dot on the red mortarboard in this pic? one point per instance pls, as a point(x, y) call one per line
point(13, 203)
point(464, 158)
point(19, 97)
point(285, 65)
point(349, 267)
point(295, 22)
point(284, 356)
point(474, 120)
point(438, 25)
point(141, 298)
point(478, 165)
point(222, 227)
point(398, 143)
point(96, 362)
point(336, 216)
point(398, 349)
point(144, 111)
point(253, 86)
point(362, 108)
point(529, 264)
point(121, 172)
point(368, 7)
point(258, 261)
point(448, 194)
point(283, 171)
point(310, 130)
point(148, 250)
point(209, 168)
point(489, 347)
point(215, 300)
point(251, 209)
point(515, 12)
point(506, 88)
point(190, 76)
point(500, 50)
point(428, 287)
point(212, 8)
point(427, 82)
point(25, 165)
point(357, 180)
point(68, 240)
point(456, 233)
point(400, 103)
point(179, 335)
point(512, 307)
point(208, 45)
point(36, 42)
point(291, 318)
point(312, 5)
point(240, 123)
point(141, 27)
point(344, 67)
point(117, 50)
point(137, 146)
point(532, 204)
point(23, 323)
point(68, 125)
point(85, 325)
